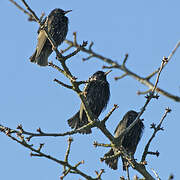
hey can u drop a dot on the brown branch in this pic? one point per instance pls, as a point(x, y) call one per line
point(31, 18)
point(169, 57)
point(153, 153)
point(92, 121)
point(148, 99)
point(156, 129)
point(63, 84)
point(65, 172)
point(32, 12)
point(152, 74)
point(114, 156)
point(99, 174)
point(109, 114)
point(101, 144)
point(138, 166)
point(120, 77)
point(155, 173)
point(145, 81)
point(76, 51)
point(69, 76)
point(41, 154)
point(102, 127)
point(70, 140)
point(144, 92)
point(42, 134)
point(125, 60)
point(63, 51)
point(164, 61)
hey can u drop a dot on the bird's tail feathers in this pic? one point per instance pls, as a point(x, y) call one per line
point(112, 163)
point(42, 58)
point(33, 57)
point(76, 123)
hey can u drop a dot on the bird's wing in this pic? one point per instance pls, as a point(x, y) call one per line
point(81, 112)
point(41, 41)
point(121, 126)
point(82, 106)
point(42, 36)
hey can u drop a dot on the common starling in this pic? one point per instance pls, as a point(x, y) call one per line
point(129, 141)
point(57, 26)
point(97, 94)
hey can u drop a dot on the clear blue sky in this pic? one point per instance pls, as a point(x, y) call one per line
point(146, 30)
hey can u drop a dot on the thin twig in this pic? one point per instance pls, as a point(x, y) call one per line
point(164, 61)
point(156, 129)
point(63, 84)
point(32, 12)
point(153, 153)
point(31, 18)
point(144, 92)
point(65, 172)
point(76, 51)
point(99, 174)
point(101, 144)
point(155, 173)
point(125, 60)
point(114, 156)
point(120, 77)
point(70, 140)
point(109, 114)
point(169, 58)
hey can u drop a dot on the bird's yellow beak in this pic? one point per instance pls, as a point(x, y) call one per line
point(106, 73)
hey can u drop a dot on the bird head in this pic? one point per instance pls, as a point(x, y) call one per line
point(100, 75)
point(60, 12)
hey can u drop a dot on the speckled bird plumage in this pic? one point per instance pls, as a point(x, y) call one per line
point(97, 94)
point(129, 141)
point(57, 25)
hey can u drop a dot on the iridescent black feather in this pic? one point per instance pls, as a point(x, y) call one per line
point(129, 141)
point(97, 94)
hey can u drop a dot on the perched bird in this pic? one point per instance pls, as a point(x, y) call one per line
point(57, 25)
point(97, 94)
point(129, 141)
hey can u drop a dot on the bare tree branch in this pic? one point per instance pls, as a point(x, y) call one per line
point(156, 129)
point(142, 80)
point(41, 154)
point(93, 122)
point(31, 18)
point(155, 173)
